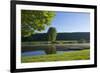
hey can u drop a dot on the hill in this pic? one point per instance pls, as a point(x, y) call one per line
point(60, 36)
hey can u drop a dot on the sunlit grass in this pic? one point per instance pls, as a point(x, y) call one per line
point(76, 55)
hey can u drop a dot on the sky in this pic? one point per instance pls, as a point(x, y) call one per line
point(70, 22)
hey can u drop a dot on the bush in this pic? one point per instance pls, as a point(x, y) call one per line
point(51, 34)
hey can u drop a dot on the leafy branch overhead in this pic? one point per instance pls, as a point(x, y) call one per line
point(32, 21)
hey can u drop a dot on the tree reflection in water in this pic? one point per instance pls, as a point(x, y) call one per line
point(51, 49)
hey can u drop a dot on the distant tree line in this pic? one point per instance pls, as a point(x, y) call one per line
point(79, 36)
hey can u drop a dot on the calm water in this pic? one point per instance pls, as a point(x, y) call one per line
point(44, 50)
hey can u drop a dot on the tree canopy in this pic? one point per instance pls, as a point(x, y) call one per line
point(52, 33)
point(33, 21)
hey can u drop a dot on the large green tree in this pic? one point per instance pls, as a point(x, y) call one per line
point(33, 21)
point(51, 34)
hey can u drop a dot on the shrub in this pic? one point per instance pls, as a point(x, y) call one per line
point(51, 34)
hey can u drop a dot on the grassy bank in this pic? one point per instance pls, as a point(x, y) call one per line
point(77, 55)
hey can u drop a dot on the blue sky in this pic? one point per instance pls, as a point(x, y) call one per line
point(71, 22)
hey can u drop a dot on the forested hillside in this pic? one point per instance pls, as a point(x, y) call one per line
point(60, 36)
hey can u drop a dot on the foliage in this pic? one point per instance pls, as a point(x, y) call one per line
point(67, 56)
point(32, 21)
point(51, 34)
point(82, 41)
point(60, 37)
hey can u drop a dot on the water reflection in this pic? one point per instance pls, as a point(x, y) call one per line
point(51, 50)
point(47, 49)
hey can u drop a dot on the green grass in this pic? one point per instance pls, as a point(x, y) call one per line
point(77, 55)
